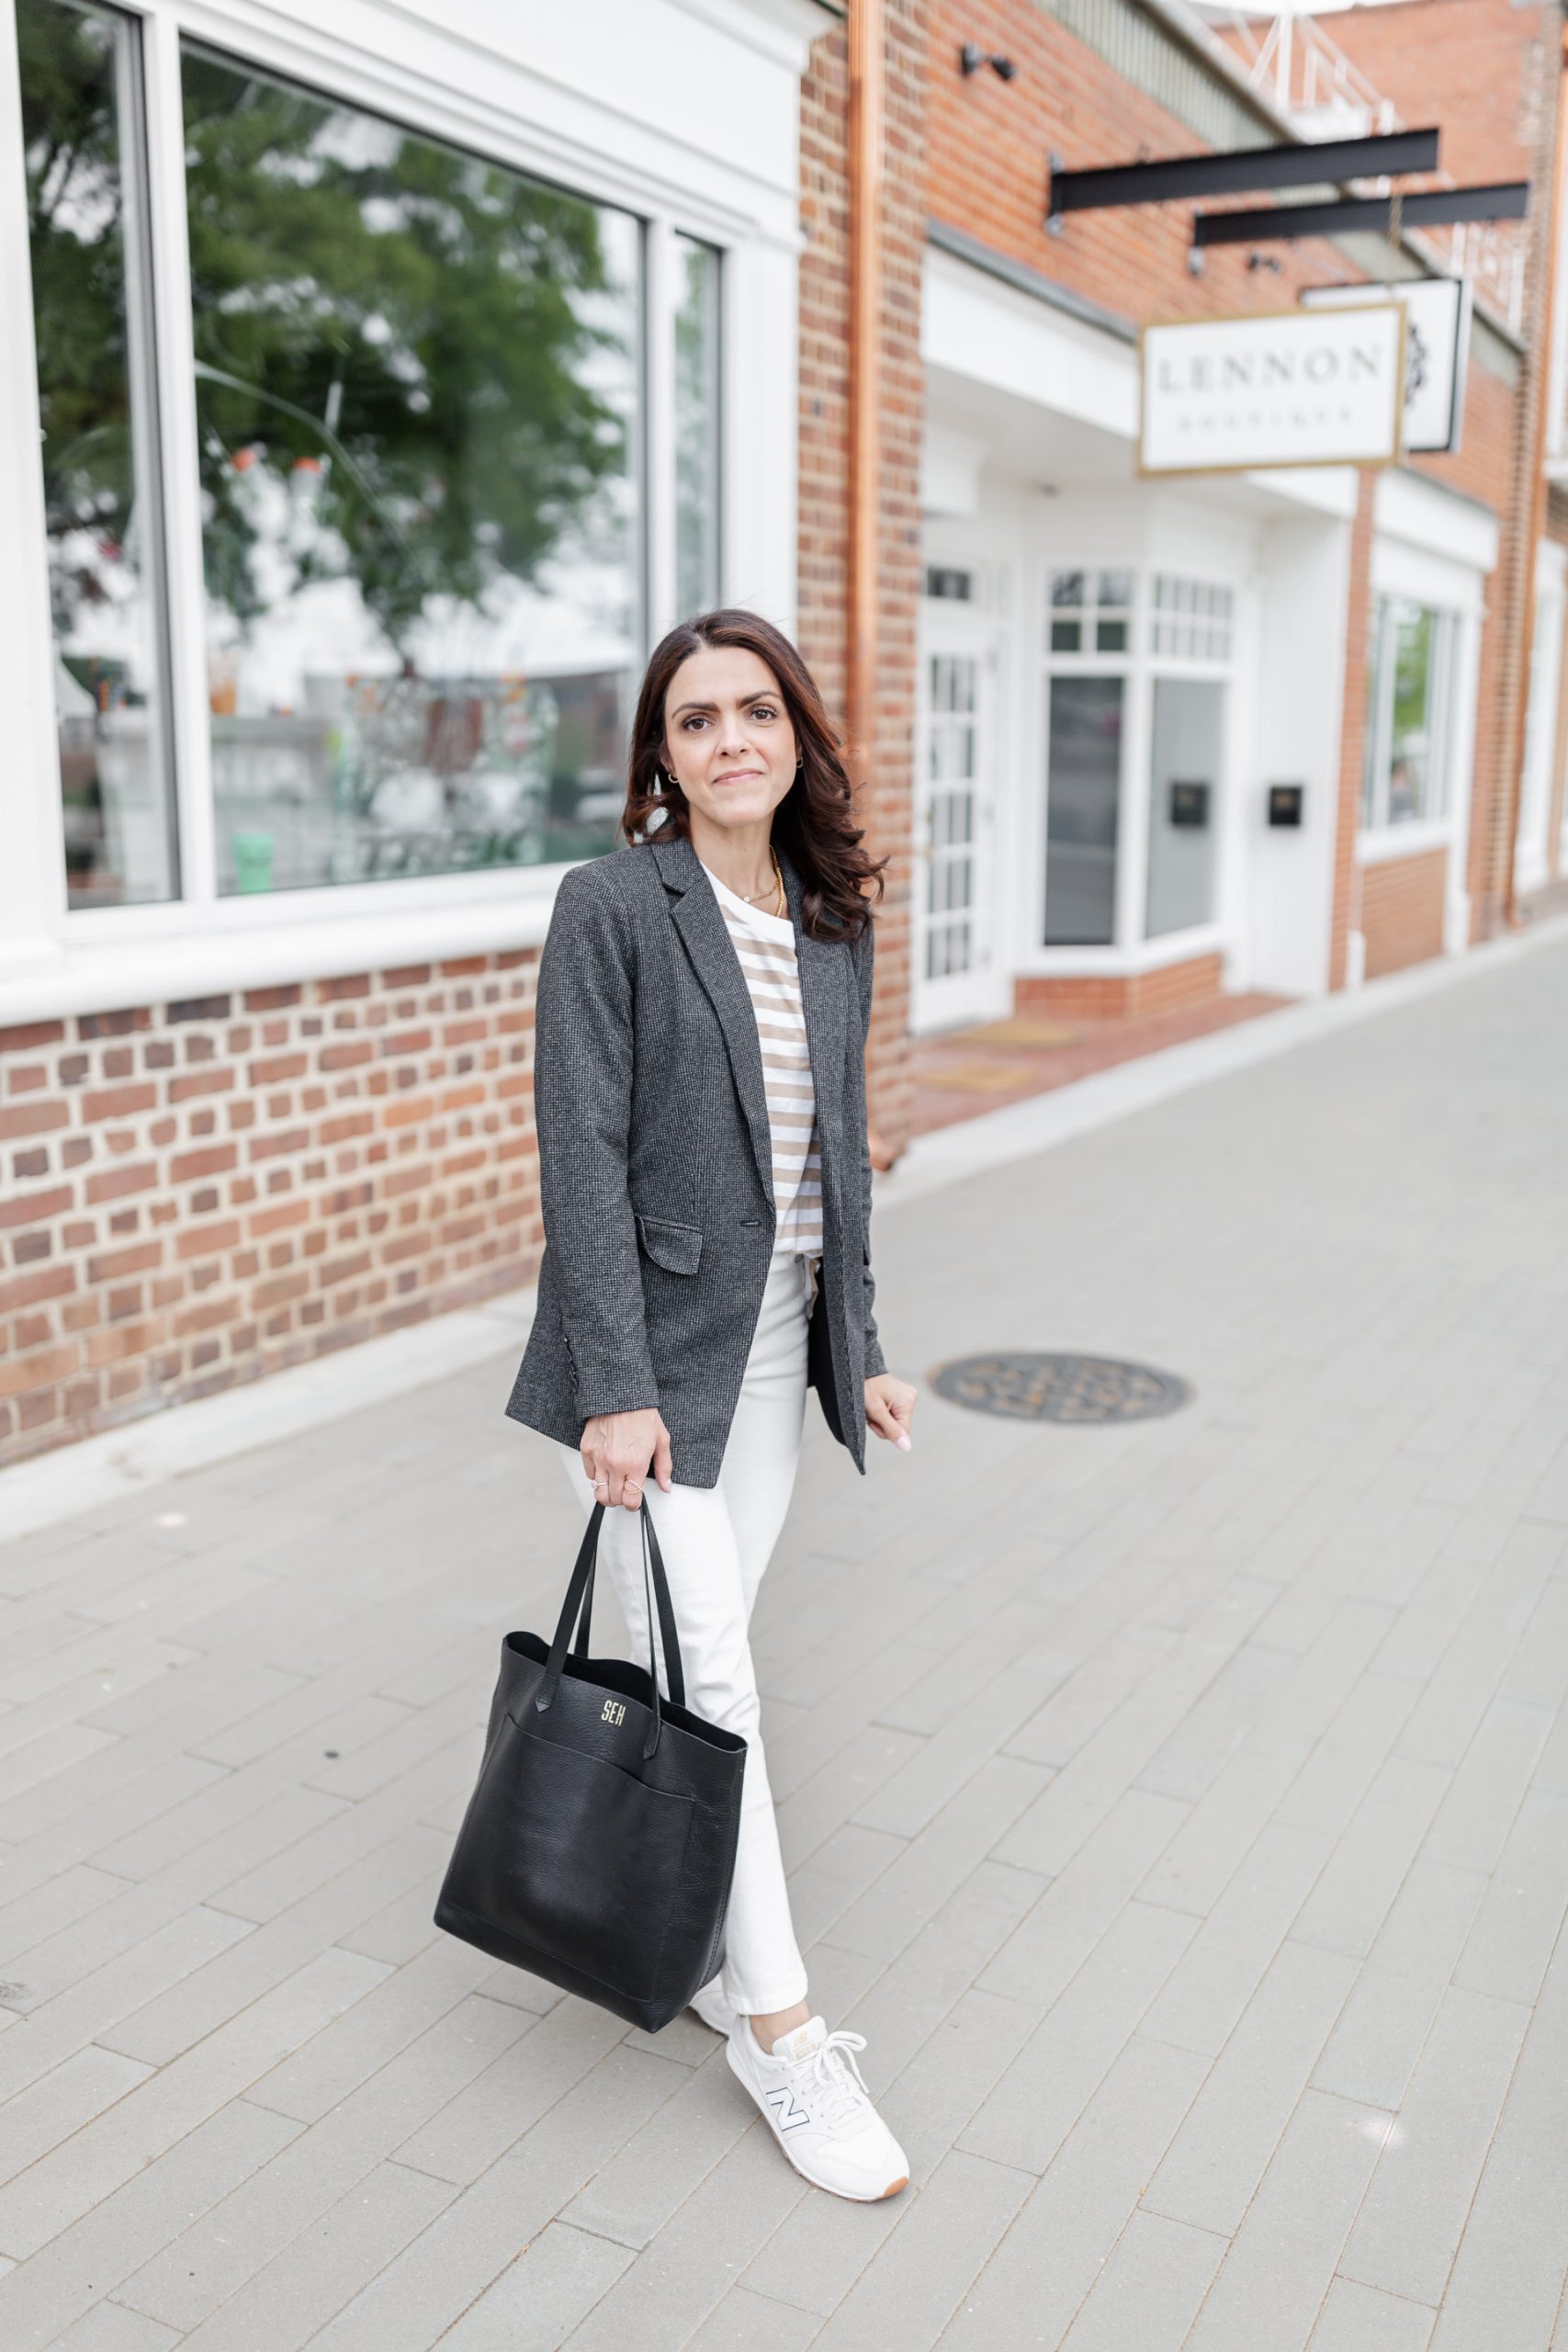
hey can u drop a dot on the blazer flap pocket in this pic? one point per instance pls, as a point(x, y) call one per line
point(675, 1247)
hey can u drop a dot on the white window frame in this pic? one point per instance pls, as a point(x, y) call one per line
point(1130, 950)
point(56, 959)
point(1434, 825)
point(1436, 547)
point(1532, 847)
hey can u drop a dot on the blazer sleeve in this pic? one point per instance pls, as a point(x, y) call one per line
point(865, 959)
point(583, 1045)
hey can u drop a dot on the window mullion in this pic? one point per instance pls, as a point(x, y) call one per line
point(1442, 721)
point(658, 410)
point(32, 870)
point(173, 359)
point(1374, 813)
point(1133, 818)
point(1385, 737)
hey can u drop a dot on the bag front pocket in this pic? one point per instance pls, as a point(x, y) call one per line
point(577, 1858)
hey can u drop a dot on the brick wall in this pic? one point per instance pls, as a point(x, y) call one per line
point(194, 1195)
point(1115, 998)
point(1485, 70)
point(989, 142)
point(1473, 66)
point(1479, 67)
point(825, 483)
point(1402, 910)
point(1483, 468)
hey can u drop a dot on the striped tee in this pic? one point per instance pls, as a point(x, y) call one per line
point(765, 946)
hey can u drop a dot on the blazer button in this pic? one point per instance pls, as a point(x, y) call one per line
point(751, 1220)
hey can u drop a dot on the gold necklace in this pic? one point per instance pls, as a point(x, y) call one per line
point(780, 892)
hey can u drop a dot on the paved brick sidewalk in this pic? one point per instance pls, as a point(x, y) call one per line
point(965, 1070)
point(1181, 1812)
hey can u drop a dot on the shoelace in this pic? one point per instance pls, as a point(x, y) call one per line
point(832, 2072)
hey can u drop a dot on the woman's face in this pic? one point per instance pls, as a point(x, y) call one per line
point(728, 741)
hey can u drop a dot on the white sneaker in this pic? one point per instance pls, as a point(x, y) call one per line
point(813, 2093)
point(711, 2008)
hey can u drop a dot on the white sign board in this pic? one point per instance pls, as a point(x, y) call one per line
point(1285, 388)
point(1436, 350)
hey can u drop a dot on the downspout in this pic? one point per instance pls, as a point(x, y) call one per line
point(865, 139)
point(1540, 359)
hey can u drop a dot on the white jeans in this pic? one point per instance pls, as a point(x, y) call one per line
point(716, 1542)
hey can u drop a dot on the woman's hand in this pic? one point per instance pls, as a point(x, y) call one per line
point(889, 1407)
point(616, 1450)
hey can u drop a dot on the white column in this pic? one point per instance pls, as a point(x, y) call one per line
point(759, 308)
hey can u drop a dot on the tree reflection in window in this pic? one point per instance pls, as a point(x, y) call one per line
point(81, 100)
point(417, 393)
point(1405, 768)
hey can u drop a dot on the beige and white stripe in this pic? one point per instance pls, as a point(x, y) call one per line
point(765, 946)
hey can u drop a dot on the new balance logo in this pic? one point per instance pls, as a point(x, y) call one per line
point(786, 2113)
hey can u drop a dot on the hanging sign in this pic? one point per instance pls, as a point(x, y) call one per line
point(1436, 350)
point(1277, 388)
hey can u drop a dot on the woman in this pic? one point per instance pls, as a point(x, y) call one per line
point(700, 1096)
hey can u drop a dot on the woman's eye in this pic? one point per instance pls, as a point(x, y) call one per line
point(765, 710)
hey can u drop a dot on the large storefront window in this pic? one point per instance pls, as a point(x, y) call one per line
point(1405, 774)
point(422, 401)
point(86, 217)
point(416, 380)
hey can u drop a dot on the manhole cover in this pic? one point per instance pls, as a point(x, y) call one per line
point(1030, 1387)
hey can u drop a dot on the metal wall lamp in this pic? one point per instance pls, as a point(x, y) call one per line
point(1295, 164)
point(1424, 208)
point(971, 57)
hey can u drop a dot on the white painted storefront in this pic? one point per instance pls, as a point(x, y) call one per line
point(1145, 659)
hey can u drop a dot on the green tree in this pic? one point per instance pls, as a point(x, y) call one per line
point(75, 200)
point(411, 331)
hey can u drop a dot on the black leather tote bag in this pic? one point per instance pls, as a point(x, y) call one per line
point(598, 1846)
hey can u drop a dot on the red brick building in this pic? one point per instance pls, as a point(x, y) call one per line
point(1327, 597)
point(285, 830)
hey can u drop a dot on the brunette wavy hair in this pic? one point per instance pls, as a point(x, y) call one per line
point(814, 821)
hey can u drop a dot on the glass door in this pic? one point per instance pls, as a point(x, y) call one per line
point(954, 980)
point(1083, 794)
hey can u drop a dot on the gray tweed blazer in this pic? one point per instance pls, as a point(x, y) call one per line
point(656, 1160)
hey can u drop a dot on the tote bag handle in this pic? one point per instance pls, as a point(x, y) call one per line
point(672, 1660)
point(577, 1609)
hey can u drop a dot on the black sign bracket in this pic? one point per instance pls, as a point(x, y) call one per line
point(1238, 171)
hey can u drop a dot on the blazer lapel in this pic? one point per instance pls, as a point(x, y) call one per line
point(700, 921)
